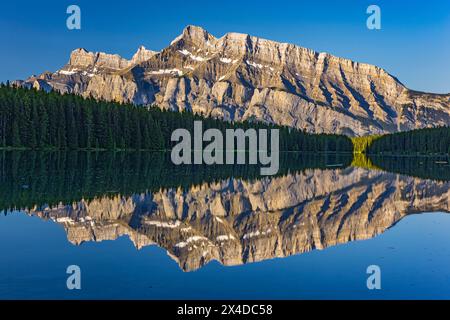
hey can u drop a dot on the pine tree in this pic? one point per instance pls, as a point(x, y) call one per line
point(43, 127)
point(15, 135)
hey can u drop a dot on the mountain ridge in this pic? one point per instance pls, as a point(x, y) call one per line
point(235, 222)
point(238, 77)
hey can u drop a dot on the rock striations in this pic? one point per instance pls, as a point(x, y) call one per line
point(239, 77)
point(236, 221)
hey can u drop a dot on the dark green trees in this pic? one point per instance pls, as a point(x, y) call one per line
point(39, 120)
point(414, 142)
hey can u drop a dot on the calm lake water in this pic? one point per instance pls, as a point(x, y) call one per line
point(140, 228)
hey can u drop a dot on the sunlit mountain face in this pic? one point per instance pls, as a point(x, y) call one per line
point(297, 153)
point(230, 215)
point(242, 77)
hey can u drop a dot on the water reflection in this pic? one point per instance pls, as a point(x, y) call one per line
point(224, 214)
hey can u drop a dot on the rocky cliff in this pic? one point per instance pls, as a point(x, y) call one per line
point(238, 77)
point(237, 222)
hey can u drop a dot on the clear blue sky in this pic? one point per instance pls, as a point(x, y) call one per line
point(413, 44)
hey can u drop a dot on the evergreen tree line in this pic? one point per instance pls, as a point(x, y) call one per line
point(414, 142)
point(38, 120)
point(41, 120)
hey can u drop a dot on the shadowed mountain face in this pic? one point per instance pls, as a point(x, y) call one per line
point(239, 77)
point(236, 221)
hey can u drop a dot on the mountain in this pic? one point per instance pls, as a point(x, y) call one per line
point(238, 77)
point(236, 221)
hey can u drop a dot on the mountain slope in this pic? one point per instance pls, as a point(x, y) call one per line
point(238, 77)
point(236, 222)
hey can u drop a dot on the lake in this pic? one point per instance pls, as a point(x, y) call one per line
point(141, 228)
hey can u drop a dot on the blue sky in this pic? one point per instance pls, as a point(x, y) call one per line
point(413, 44)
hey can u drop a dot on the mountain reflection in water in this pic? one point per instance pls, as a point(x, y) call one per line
point(233, 217)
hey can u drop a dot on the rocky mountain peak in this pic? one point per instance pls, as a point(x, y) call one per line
point(81, 58)
point(239, 76)
point(194, 36)
point(142, 54)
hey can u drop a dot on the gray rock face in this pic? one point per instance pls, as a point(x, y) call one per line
point(236, 221)
point(239, 77)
